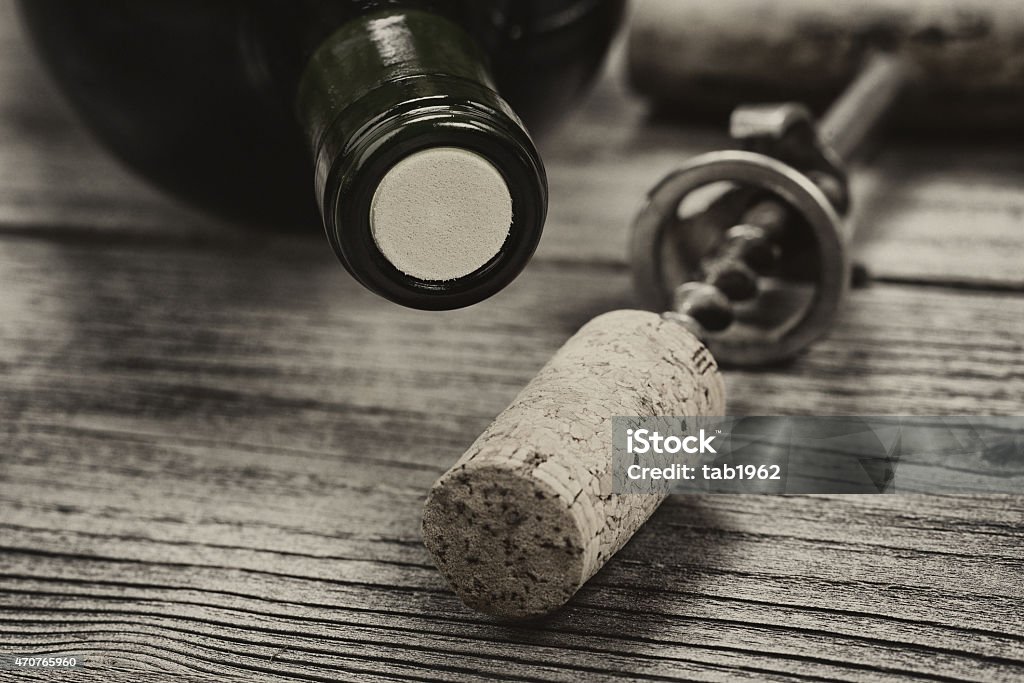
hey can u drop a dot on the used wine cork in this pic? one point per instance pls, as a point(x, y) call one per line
point(710, 57)
point(527, 516)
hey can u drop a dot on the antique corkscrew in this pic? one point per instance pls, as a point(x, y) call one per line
point(759, 272)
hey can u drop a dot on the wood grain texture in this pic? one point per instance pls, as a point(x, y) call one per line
point(214, 446)
point(202, 465)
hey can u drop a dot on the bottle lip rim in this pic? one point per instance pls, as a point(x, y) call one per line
point(415, 127)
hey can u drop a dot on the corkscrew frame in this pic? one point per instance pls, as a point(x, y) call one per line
point(658, 229)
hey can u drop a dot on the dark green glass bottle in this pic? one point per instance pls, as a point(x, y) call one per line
point(428, 183)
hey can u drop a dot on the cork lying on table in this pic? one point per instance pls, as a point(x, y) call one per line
point(526, 516)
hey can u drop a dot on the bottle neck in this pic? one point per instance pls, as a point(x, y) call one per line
point(389, 100)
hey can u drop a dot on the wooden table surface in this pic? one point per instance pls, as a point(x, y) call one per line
point(214, 445)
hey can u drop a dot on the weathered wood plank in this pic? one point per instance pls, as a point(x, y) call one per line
point(711, 590)
point(216, 454)
point(276, 331)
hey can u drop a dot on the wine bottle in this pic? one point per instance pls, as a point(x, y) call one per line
point(429, 186)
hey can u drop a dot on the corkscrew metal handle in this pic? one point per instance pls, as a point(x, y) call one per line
point(668, 250)
point(751, 247)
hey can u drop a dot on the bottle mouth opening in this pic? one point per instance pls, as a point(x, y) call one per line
point(438, 205)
